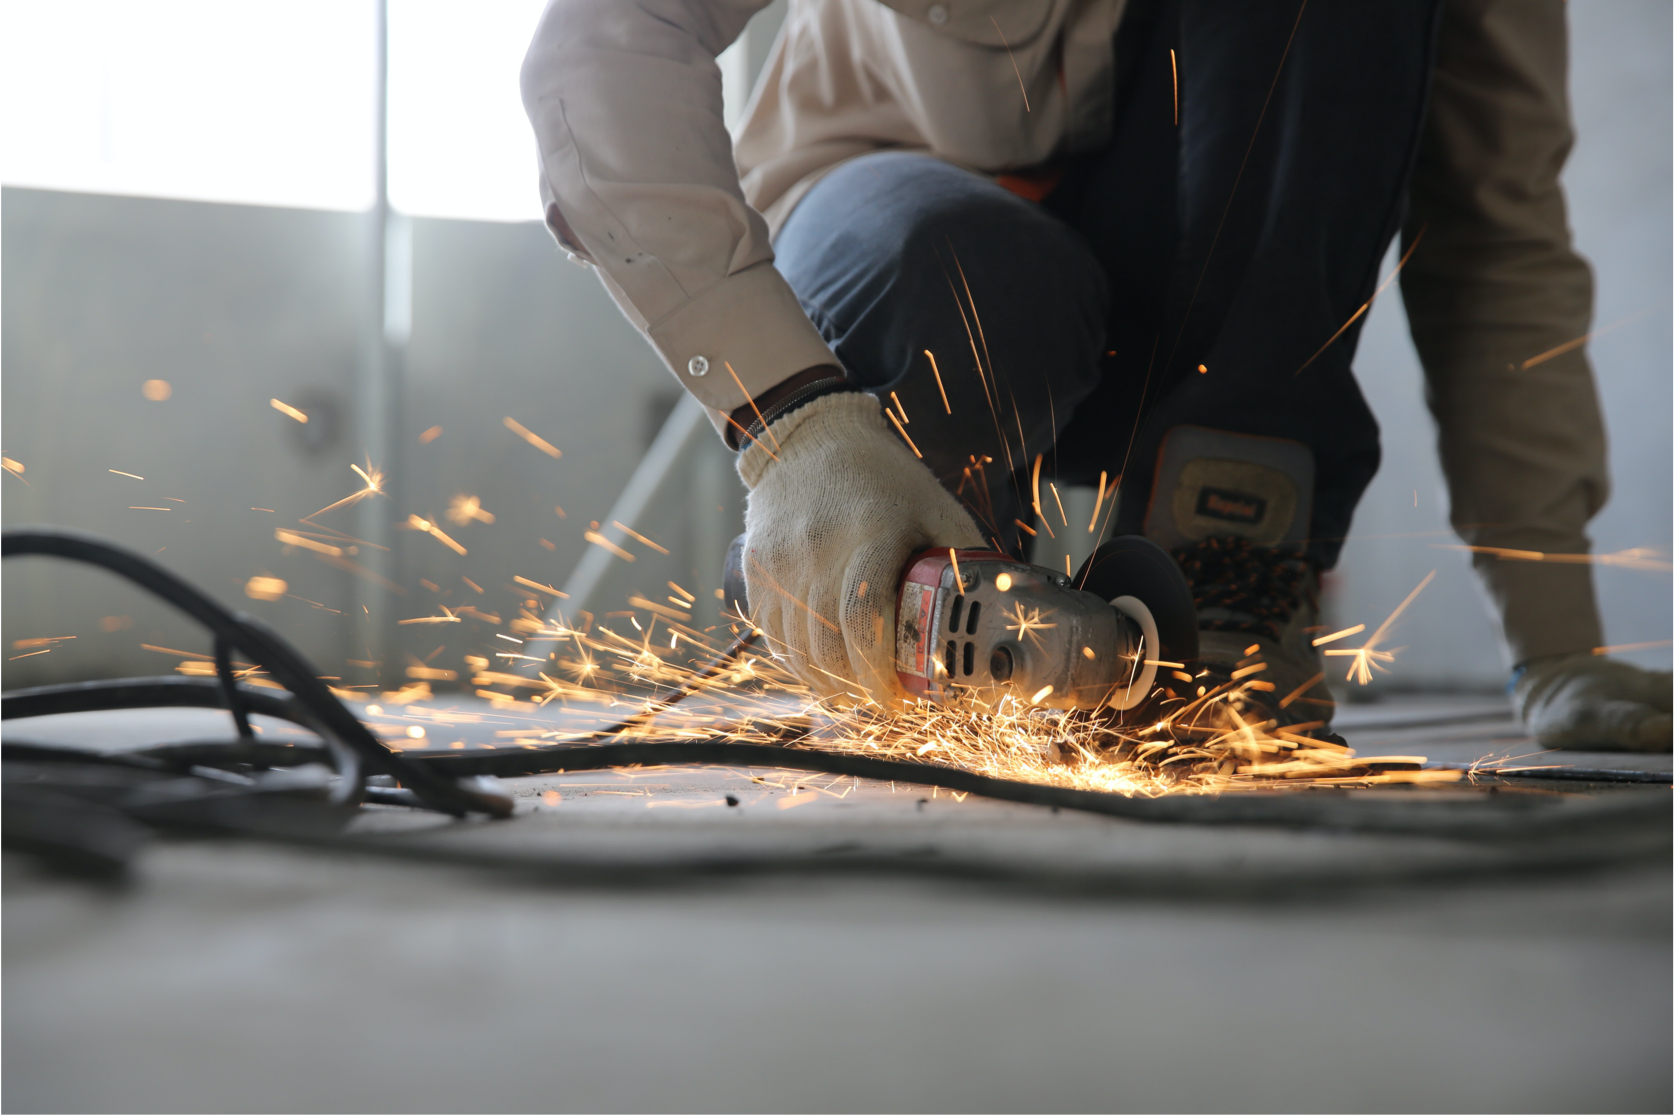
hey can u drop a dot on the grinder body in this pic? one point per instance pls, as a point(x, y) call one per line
point(981, 620)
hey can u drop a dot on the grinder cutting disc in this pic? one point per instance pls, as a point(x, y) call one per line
point(1135, 566)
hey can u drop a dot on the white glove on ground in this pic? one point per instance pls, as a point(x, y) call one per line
point(1586, 703)
point(834, 512)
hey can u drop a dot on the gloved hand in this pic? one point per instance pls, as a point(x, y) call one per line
point(1587, 703)
point(835, 510)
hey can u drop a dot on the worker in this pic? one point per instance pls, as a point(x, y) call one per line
point(958, 246)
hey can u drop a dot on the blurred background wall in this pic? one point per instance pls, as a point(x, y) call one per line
point(186, 198)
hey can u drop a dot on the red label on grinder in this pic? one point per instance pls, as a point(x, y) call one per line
point(915, 630)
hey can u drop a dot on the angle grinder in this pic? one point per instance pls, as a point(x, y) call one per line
point(980, 620)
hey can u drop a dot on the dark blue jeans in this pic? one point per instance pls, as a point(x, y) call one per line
point(1237, 242)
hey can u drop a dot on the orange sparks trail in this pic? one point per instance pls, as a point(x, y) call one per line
point(374, 487)
point(1174, 67)
point(1013, 58)
point(751, 400)
point(937, 372)
point(1034, 482)
point(1560, 350)
point(1368, 657)
point(1635, 558)
point(418, 523)
point(1367, 305)
point(631, 533)
point(468, 509)
point(899, 429)
point(1621, 647)
point(287, 409)
point(529, 436)
point(599, 540)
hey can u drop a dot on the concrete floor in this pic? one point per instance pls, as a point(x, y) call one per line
point(236, 977)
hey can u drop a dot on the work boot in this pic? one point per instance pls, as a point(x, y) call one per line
point(1258, 605)
point(1234, 510)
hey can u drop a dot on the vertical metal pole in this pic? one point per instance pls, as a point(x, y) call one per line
point(375, 400)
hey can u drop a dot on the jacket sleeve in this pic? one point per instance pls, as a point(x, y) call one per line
point(638, 180)
point(1494, 292)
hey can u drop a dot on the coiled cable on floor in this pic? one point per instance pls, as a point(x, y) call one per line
point(356, 750)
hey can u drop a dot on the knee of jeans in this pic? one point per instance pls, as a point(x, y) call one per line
point(915, 213)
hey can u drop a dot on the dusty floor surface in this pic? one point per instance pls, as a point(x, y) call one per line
point(829, 945)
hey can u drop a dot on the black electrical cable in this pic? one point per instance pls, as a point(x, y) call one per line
point(318, 710)
point(354, 744)
point(1467, 816)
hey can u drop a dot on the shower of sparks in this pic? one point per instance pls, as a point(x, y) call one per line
point(1222, 740)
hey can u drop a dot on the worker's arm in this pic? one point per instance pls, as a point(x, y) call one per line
point(1494, 293)
point(638, 179)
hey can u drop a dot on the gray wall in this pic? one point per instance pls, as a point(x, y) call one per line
point(234, 305)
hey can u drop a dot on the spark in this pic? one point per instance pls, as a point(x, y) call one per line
point(1365, 306)
point(430, 435)
point(1013, 58)
point(1334, 636)
point(1559, 350)
point(600, 541)
point(374, 481)
point(937, 372)
point(465, 510)
point(120, 473)
point(141, 507)
point(531, 437)
point(1174, 68)
point(903, 432)
point(631, 533)
point(1093, 522)
point(419, 523)
point(1368, 657)
point(1034, 481)
point(1026, 625)
point(1647, 646)
point(292, 538)
point(536, 585)
point(15, 468)
point(1634, 558)
point(751, 400)
point(287, 409)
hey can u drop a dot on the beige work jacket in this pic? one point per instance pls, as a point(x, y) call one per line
point(640, 178)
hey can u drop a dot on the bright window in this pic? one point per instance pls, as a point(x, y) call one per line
point(268, 104)
point(272, 104)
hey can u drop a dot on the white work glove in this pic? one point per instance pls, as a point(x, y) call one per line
point(1587, 703)
point(835, 510)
